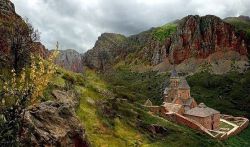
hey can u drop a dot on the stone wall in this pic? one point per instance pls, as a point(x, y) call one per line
point(216, 121)
point(207, 121)
point(184, 93)
point(237, 130)
point(154, 109)
point(186, 122)
point(204, 121)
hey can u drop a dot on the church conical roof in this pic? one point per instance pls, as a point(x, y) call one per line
point(174, 74)
point(183, 84)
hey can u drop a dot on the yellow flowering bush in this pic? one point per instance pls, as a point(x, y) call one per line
point(41, 73)
point(34, 79)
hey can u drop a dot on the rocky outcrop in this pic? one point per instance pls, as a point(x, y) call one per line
point(53, 123)
point(39, 49)
point(107, 48)
point(201, 36)
point(70, 60)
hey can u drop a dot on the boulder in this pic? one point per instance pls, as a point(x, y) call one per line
point(68, 98)
point(53, 123)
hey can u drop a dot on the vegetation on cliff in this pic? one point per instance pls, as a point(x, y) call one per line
point(240, 23)
point(163, 32)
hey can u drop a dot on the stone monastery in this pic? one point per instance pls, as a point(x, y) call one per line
point(177, 99)
point(179, 107)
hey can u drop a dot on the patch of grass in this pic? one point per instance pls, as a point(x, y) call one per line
point(225, 125)
point(161, 33)
point(175, 135)
point(124, 123)
point(118, 126)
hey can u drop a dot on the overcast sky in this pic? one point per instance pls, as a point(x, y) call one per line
point(76, 24)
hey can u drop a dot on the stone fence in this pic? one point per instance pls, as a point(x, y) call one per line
point(182, 120)
point(236, 130)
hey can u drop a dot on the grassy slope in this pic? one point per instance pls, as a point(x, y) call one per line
point(98, 132)
point(140, 57)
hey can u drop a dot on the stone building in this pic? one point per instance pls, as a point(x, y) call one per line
point(170, 93)
point(178, 92)
point(177, 99)
point(183, 96)
point(207, 117)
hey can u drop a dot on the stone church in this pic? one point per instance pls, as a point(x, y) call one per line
point(177, 99)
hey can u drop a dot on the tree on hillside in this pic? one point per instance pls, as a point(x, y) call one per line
point(17, 39)
point(22, 37)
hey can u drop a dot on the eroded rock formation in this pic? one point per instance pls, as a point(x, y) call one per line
point(54, 123)
point(107, 48)
point(70, 60)
point(201, 36)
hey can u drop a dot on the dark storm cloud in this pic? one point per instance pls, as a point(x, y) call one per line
point(77, 23)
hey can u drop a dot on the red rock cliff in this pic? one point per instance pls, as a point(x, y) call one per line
point(201, 36)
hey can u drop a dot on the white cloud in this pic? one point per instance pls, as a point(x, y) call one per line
point(78, 23)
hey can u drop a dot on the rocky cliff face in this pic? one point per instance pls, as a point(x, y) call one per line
point(195, 38)
point(70, 60)
point(39, 49)
point(106, 49)
point(201, 36)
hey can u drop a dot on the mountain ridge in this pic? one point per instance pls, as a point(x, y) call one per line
point(194, 36)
